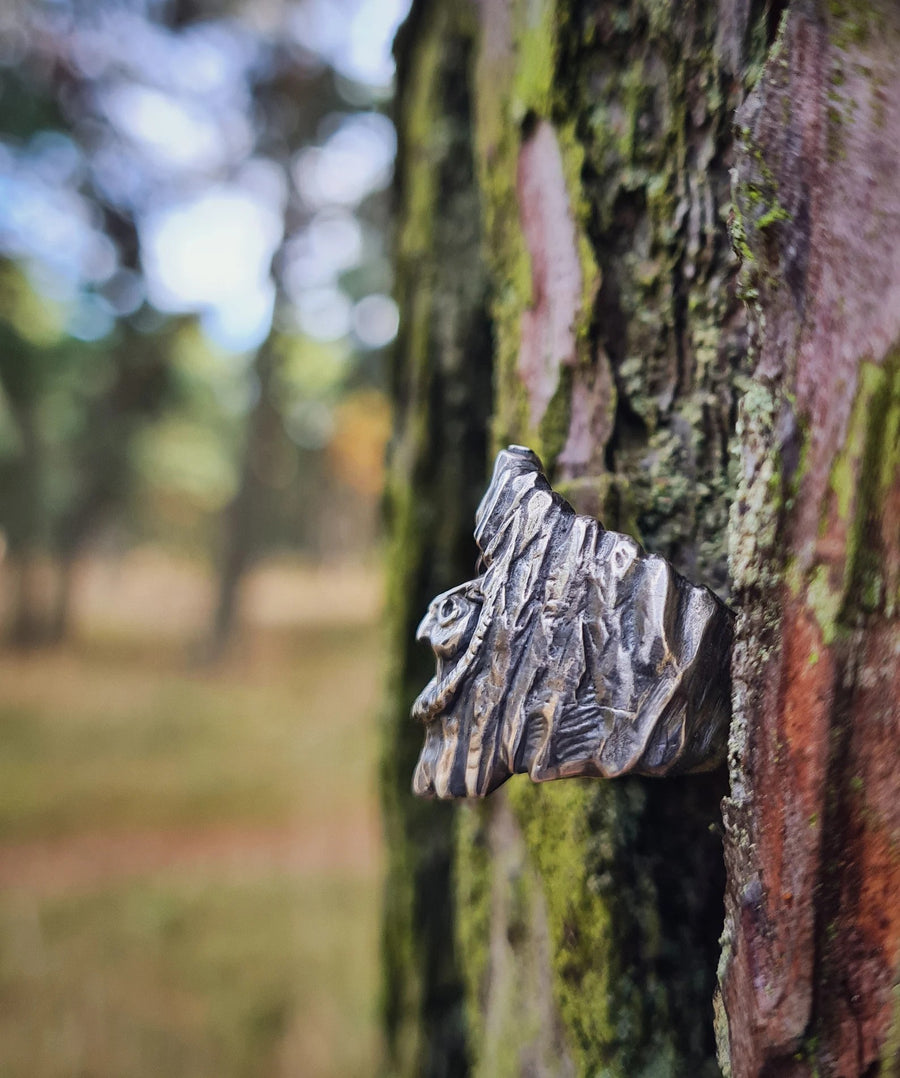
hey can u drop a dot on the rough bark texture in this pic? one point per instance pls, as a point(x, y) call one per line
point(809, 976)
point(594, 142)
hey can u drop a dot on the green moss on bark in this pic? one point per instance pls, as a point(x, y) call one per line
point(473, 878)
point(654, 99)
point(587, 914)
point(861, 477)
point(640, 101)
point(516, 83)
point(503, 928)
point(620, 921)
point(442, 390)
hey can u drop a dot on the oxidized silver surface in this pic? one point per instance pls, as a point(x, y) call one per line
point(573, 653)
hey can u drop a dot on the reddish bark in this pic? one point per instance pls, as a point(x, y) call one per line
point(813, 904)
point(548, 326)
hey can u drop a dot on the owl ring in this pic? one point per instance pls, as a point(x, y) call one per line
point(573, 653)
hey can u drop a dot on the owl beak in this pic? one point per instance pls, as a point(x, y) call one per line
point(423, 629)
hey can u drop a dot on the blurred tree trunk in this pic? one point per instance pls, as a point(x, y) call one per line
point(24, 515)
point(137, 392)
point(442, 391)
point(564, 196)
point(27, 624)
point(241, 521)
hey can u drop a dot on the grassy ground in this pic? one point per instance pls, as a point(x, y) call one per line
point(189, 859)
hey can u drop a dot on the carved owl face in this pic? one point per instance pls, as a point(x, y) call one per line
point(451, 619)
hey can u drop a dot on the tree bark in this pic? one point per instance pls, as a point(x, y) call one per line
point(812, 939)
point(442, 394)
point(662, 390)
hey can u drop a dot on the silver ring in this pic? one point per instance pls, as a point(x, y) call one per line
point(573, 652)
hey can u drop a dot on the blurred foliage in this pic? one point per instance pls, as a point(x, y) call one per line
point(153, 383)
point(193, 312)
point(362, 424)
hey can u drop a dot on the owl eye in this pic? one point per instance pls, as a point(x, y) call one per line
point(447, 610)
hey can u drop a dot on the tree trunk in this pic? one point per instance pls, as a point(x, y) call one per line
point(241, 519)
point(442, 390)
point(812, 937)
point(594, 143)
point(26, 526)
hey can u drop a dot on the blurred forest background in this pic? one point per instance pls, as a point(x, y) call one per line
point(194, 310)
